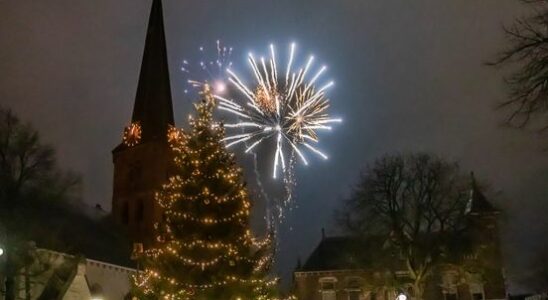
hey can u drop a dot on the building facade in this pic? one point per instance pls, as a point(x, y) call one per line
point(143, 159)
point(335, 270)
point(56, 275)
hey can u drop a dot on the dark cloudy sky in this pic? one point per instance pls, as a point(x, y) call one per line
point(409, 77)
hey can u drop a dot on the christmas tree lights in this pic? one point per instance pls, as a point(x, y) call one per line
point(205, 249)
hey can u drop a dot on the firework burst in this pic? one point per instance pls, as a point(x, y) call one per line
point(209, 71)
point(288, 108)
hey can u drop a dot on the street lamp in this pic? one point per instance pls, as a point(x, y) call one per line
point(401, 296)
point(1, 251)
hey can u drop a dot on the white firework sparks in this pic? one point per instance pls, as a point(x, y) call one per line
point(287, 108)
point(212, 72)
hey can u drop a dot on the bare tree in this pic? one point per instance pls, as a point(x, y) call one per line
point(416, 203)
point(27, 165)
point(28, 173)
point(527, 55)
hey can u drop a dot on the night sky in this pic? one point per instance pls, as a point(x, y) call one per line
point(410, 76)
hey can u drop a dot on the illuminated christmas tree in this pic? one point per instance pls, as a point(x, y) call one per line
point(204, 249)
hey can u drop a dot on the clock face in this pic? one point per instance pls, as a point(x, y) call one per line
point(132, 134)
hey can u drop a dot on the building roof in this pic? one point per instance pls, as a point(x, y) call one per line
point(64, 227)
point(338, 253)
point(478, 203)
point(153, 108)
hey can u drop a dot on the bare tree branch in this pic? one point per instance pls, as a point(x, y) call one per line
point(416, 202)
point(527, 55)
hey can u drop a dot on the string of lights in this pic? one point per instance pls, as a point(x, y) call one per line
point(204, 244)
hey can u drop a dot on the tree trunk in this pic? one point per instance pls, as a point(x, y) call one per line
point(417, 289)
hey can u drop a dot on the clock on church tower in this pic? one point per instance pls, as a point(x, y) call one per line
point(143, 159)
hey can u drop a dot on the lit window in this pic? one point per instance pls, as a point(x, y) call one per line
point(327, 288)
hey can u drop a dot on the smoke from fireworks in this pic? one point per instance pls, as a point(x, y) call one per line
point(287, 108)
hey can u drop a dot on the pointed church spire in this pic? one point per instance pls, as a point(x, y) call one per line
point(153, 108)
point(478, 204)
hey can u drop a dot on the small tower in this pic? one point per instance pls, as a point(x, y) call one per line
point(143, 159)
point(483, 224)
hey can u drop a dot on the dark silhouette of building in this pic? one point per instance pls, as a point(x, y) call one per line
point(143, 159)
point(345, 268)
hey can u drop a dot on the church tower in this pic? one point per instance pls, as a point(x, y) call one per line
point(483, 221)
point(143, 159)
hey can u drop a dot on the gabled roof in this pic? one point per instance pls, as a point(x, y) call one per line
point(153, 108)
point(339, 253)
